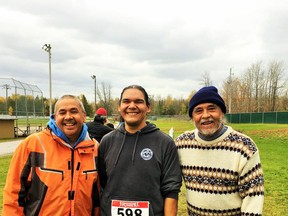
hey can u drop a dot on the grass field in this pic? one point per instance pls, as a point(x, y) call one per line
point(272, 141)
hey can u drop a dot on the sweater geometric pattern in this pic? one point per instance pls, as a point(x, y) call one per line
point(223, 176)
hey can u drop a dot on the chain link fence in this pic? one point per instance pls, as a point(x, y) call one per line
point(22, 101)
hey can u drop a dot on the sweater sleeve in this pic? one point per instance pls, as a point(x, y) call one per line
point(251, 186)
point(17, 182)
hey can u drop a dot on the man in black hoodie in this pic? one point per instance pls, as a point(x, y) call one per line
point(138, 164)
point(100, 125)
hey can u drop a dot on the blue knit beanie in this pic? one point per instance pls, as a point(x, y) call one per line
point(206, 95)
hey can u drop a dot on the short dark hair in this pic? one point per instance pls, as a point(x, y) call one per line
point(69, 97)
point(99, 118)
point(140, 88)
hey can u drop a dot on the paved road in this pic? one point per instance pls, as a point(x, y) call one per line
point(8, 147)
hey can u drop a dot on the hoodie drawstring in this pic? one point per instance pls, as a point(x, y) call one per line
point(121, 148)
point(118, 155)
point(135, 145)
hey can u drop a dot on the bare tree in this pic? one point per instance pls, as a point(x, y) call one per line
point(257, 90)
point(206, 81)
point(256, 72)
point(104, 95)
point(232, 93)
point(275, 73)
point(248, 80)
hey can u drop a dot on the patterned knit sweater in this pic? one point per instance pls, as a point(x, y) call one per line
point(223, 176)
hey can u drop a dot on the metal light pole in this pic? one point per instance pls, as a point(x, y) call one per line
point(47, 48)
point(94, 78)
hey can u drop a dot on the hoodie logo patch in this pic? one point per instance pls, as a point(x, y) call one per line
point(146, 154)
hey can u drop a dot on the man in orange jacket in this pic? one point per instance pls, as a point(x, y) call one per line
point(54, 172)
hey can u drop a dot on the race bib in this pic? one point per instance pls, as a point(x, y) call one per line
point(129, 208)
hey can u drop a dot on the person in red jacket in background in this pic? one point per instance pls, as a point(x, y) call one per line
point(100, 125)
point(54, 172)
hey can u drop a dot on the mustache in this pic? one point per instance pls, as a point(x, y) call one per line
point(206, 120)
point(69, 122)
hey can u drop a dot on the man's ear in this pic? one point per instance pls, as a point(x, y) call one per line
point(84, 115)
point(149, 108)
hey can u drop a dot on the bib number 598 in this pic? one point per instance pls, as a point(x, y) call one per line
point(129, 212)
point(129, 208)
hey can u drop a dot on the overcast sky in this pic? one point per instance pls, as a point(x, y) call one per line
point(165, 46)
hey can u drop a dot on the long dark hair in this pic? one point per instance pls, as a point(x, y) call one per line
point(140, 88)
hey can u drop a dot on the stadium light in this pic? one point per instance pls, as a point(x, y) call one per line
point(47, 48)
point(94, 78)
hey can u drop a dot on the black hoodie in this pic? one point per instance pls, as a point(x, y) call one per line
point(143, 166)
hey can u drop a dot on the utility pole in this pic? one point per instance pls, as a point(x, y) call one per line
point(230, 90)
point(6, 87)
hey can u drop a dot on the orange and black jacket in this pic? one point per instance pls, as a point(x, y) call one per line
point(48, 177)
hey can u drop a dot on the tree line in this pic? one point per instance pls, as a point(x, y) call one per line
point(257, 89)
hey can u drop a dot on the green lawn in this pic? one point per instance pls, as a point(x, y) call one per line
point(272, 141)
point(4, 164)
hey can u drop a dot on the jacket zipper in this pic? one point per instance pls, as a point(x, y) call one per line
point(71, 166)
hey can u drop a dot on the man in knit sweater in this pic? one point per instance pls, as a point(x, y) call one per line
point(220, 166)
